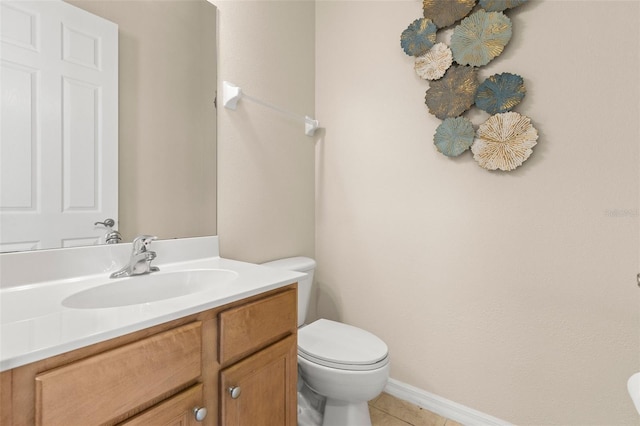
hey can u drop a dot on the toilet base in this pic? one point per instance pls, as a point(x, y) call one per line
point(342, 413)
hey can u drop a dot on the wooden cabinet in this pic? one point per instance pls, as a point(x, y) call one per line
point(159, 375)
point(259, 389)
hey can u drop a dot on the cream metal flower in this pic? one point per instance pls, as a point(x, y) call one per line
point(433, 64)
point(504, 141)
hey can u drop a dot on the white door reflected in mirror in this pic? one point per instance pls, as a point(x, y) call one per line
point(59, 125)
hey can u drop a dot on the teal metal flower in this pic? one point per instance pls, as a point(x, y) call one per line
point(419, 36)
point(480, 37)
point(500, 93)
point(500, 5)
point(454, 136)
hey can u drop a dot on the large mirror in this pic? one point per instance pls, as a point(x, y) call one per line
point(166, 116)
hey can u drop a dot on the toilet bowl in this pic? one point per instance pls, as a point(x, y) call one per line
point(345, 364)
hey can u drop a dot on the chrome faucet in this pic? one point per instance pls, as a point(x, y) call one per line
point(141, 257)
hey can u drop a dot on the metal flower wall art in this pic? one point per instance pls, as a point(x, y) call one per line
point(454, 136)
point(454, 93)
point(500, 93)
point(499, 5)
point(481, 30)
point(418, 38)
point(433, 64)
point(504, 141)
point(446, 12)
point(480, 38)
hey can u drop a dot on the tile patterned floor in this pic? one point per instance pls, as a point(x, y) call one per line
point(387, 410)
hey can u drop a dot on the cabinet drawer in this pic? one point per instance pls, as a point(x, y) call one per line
point(103, 387)
point(177, 410)
point(250, 327)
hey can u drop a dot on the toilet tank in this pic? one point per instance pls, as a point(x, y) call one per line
point(298, 264)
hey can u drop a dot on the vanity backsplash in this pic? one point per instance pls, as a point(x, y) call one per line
point(26, 268)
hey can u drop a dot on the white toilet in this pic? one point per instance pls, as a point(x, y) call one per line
point(345, 364)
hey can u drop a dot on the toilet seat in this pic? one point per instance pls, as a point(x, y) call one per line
point(342, 346)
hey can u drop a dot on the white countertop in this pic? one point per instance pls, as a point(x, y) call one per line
point(35, 325)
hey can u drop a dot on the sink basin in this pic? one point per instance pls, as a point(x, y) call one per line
point(148, 288)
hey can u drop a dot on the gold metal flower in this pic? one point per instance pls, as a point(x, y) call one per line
point(446, 12)
point(454, 93)
point(504, 141)
point(500, 5)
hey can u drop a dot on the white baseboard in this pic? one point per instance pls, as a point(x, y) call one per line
point(439, 405)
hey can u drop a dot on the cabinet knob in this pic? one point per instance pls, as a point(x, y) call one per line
point(235, 391)
point(199, 413)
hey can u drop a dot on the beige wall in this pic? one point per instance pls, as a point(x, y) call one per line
point(511, 293)
point(167, 118)
point(266, 163)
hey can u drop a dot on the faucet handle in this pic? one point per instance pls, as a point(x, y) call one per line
point(142, 242)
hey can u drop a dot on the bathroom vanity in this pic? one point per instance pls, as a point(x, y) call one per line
point(228, 359)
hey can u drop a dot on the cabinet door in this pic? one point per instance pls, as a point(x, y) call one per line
point(267, 388)
point(176, 411)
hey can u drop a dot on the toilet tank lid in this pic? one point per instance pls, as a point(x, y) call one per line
point(299, 264)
